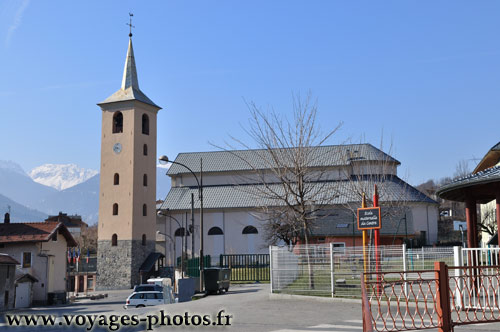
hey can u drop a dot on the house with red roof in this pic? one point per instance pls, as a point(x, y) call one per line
point(41, 248)
point(7, 286)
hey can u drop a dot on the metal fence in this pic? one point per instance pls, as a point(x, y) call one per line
point(247, 267)
point(83, 265)
point(325, 270)
point(443, 297)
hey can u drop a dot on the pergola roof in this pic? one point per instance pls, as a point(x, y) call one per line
point(482, 185)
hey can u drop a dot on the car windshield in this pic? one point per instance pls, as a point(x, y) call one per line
point(148, 288)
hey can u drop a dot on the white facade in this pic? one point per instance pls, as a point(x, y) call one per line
point(48, 264)
point(231, 210)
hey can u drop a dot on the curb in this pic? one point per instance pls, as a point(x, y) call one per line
point(274, 296)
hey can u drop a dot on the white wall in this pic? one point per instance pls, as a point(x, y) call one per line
point(51, 280)
point(425, 218)
point(231, 242)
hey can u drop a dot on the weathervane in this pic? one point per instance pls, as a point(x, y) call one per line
point(130, 24)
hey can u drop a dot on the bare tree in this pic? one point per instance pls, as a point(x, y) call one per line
point(288, 184)
point(488, 223)
point(462, 169)
point(88, 238)
point(380, 169)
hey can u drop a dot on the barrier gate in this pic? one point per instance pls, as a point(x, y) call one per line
point(430, 299)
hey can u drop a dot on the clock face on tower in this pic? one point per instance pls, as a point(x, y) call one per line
point(117, 148)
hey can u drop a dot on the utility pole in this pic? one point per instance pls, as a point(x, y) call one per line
point(192, 225)
point(201, 225)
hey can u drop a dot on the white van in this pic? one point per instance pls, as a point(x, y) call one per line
point(143, 299)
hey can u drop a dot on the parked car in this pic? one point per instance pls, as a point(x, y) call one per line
point(143, 299)
point(148, 288)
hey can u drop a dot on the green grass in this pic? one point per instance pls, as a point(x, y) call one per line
point(246, 275)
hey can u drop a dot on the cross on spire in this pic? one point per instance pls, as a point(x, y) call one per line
point(130, 24)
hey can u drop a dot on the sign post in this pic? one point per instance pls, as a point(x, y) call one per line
point(368, 218)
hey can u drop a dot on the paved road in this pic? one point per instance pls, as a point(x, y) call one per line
point(250, 308)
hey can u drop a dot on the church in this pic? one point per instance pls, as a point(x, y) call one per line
point(126, 233)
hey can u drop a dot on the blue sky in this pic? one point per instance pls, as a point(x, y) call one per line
point(425, 73)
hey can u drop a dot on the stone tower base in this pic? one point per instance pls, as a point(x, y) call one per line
point(118, 266)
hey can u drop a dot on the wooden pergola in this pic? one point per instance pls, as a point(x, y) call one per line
point(480, 187)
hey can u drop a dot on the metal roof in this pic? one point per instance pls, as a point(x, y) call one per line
point(391, 188)
point(340, 222)
point(260, 159)
point(453, 190)
point(130, 83)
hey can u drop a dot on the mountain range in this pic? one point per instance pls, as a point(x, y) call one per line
point(55, 188)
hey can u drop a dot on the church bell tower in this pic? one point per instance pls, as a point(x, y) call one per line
point(127, 195)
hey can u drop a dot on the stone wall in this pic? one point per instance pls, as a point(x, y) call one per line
point(118, 266)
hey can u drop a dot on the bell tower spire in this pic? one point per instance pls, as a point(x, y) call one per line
point(127, 192)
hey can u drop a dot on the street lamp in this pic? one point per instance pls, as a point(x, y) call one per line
point(183, 240)
point(164, 159)
point(461, 228)
point(171, 239)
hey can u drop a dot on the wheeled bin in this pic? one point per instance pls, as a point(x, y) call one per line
point(216, 279)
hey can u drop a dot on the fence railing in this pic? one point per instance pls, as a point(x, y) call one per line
point(82, 266)
point(247, 267)
point(428, 299)
point(193, 265)
point(324, 270)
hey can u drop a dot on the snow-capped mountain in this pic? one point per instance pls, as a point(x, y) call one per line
point(61, 177)
point(12, 166)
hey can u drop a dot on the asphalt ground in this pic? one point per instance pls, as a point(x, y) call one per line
point(248, 306)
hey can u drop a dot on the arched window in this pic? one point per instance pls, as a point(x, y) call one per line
point(215, 231)
point(250, 230)
point(145, 124)
point(145, 149)
point(143, 239)
point(115, 209)
point(116, 180)
point(145, 180)
point(114, 240)
point(117, 122)
point(181, 232)
point(144, 210)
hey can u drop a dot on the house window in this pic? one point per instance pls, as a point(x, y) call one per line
point(250, 230)
point(145, 180)
point(116, 179)
point(6, 299)
point(117, 122)
point(215, 231)
point(26, 259)
point(115, 209)
point(145, 124)
point(143, 239)
point(145, 149)
point(54, 237)
point(144, 210)
point(114, 240)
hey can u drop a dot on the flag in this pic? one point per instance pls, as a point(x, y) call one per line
point(74, 255)
point(78, 256)
point(69, 256)
point(88, 254)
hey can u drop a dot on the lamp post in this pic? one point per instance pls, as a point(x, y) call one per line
point(164, 159)
point(461, 228)
point(167, 236)
point(183, 240)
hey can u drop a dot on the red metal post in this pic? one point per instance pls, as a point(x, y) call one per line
point(377, 240)
point(443, 297)
point(471, 216)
